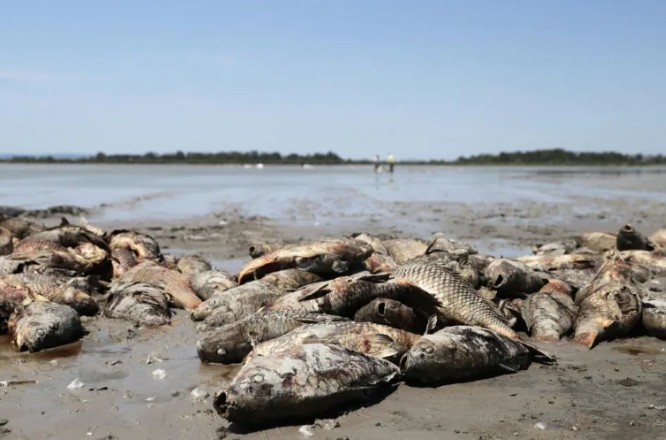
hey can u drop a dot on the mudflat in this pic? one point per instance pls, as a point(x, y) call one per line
point(612, 391)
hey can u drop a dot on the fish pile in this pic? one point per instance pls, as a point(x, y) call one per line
point(322, 325)
point(51, 277)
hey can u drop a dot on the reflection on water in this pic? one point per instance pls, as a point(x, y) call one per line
point(130, 192)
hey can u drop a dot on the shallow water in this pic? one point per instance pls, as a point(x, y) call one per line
point(315, 194)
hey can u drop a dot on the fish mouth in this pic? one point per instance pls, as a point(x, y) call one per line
point(221, 405)
point(499, 282)
point(628, 228)
point(403, 362)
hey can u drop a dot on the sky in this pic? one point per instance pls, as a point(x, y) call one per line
point(422, 79)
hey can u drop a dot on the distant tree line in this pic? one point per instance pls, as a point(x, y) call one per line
point(224, 157)
point(558, 156)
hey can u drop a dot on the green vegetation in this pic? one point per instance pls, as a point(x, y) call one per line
point(559, 156)
point(555, 156)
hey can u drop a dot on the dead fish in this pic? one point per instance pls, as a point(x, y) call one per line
point(556, 247)
point(377, 263)
point(68, 235)
point(578, 270)
point(123, 259)
point(143, 245)
point(41, 325)
point(458, 301)
point(510, 310)
point(654, 314)
point(327, 257)
point(462, 353)
point(343, 296)
point(510, 278)
point(550, 313)
point(256, 293)
point(10, 264)
point(629, 238)
point(393, 313)
point(6, 241)
point(140, 303)
point(610, 306)
point(206, 284)
point(597, 241)
point(231, 343)
point(440, 243)
point(404, 249)
point(479, 262)
point(175, 284)
point(59, 289)
point(654, 261)
point(191, 265)
point(304, 382)
point(260, 249)
point(21, 227)
point(659, 238)
point(364, 337)
point(14, 294)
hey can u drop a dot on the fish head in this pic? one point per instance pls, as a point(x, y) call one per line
point(30, 335)
point(425, 358)
point(226, 345)
point(253, 390)
point(80, 301)
point(91, 253)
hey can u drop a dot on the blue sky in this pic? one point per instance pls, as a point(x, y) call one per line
point(423, 79)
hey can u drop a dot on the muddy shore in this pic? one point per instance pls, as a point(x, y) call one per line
point(614, 391)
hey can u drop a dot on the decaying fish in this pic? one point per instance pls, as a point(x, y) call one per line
point(577, 270)
point(14, 294)
point(380, 260)
point(302, 383)
point(249, 297)
point(143, 245)
point(597, 241)
point(140, 303)
point(59, 289)
point(512, 278)
point(551, 312)
point(41, 325)
point(207, 284)
point(462, 353)
point(68, 235)
point(610, 305)
point(628, 238)
point(20, 227)
point(654, 314)
point(260, 249)
point(556, 247)
point(343, 296)
point(404, 249)
point(654, 261)
point(390, 312)
point(6, 242)
point(365, 337)
point(457, 300)
point(11, 264)
point(659, 238)
point(440, 243)
point(327, 257)
point(191, 265)
point(123, 259)
point(510, 310)
point(231, 343)
point(174, 283)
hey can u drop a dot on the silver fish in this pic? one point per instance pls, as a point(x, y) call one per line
point(304, 382)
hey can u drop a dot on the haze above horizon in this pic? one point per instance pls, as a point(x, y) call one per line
point(426, 79)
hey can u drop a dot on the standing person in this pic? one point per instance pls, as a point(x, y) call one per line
point(391, 161)
point(376, 163)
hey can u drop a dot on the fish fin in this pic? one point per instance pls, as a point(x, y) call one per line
point(376, 277)
point(317, 293)
point(253, 344)
point(381, 345)
point(431, 325)
point(63, 222)
point(507, 368)
point(538, 355)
